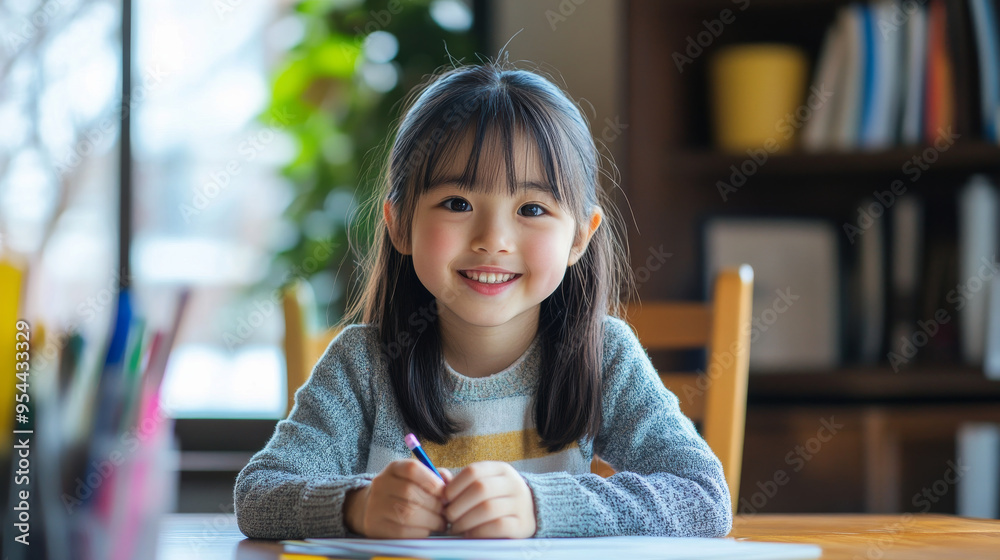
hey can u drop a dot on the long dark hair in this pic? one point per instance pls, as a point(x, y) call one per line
point(492, 102)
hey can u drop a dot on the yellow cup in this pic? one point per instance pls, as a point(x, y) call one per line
point(756, 89)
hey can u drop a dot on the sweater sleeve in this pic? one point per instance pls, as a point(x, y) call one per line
point(668, 481)
point(295, 486)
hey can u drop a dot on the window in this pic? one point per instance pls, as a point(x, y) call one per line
point(59, 106)
point(208, 197)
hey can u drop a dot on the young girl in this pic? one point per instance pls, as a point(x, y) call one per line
point(488, 330)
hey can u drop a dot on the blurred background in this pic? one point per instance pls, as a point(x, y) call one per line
point(847, 151)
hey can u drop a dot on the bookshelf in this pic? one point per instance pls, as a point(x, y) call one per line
point(972, 155)
point(887, 451)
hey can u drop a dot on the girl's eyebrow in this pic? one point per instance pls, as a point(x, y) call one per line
point(523, 185)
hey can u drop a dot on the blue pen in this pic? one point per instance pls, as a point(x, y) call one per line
point(414, 445)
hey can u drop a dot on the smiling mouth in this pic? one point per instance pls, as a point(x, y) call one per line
point(488, 277)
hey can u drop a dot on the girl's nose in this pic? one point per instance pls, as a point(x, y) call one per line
point(494, 234)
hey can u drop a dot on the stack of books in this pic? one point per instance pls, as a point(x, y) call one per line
point(906, 73)
point(922, 298)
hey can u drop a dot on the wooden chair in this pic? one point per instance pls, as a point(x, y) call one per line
point(717, 398)
point(304, 342)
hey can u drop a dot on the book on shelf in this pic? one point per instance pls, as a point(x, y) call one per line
point(939, 101)
point(849, 92)
point(906, 223)
point(991, 352)
point(916, 70)
point(884, 78)
point(965, 54)
point(977, 450)
point(918, 296)
point(978, 226)
point(940, 276)
point(871, 286)
point(833, 54)
point(987, 33)
point(796, 299)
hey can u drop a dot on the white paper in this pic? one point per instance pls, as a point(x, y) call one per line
point(634, 548)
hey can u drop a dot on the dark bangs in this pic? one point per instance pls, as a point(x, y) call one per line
point(476, 115)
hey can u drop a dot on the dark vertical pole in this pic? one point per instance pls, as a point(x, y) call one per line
point(125, 153)
point(482, 21)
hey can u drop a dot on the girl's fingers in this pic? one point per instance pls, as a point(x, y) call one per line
point(477, 492)
point(415, 496)
point(418, 484)
point(484, 512)
point(416, 472)
point(499, 528)
point(407, 514)
point(470, 475)
point(448, 477)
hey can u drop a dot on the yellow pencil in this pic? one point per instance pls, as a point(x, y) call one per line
point(287, 556)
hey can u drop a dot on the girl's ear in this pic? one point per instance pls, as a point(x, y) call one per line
point(583, 236)
point(390, 222)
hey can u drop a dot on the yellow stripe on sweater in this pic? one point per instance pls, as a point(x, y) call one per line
point(462, 451)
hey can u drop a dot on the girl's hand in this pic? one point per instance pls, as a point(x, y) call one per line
point(404, 501)
point(489, 500)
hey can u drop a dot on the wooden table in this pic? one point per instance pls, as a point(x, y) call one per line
point(842, 536)
point(878, 537)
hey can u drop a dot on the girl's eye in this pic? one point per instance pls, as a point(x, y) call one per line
point(539, 211)
point(460, 205)
point(458, 200)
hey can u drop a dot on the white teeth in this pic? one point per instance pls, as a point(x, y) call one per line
point(488, 277)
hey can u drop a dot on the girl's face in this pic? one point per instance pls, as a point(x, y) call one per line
point(529, 235)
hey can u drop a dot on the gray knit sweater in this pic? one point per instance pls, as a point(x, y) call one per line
point(345, 426)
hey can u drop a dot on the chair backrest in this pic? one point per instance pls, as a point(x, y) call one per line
point(304, 342)
point(716, 397)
